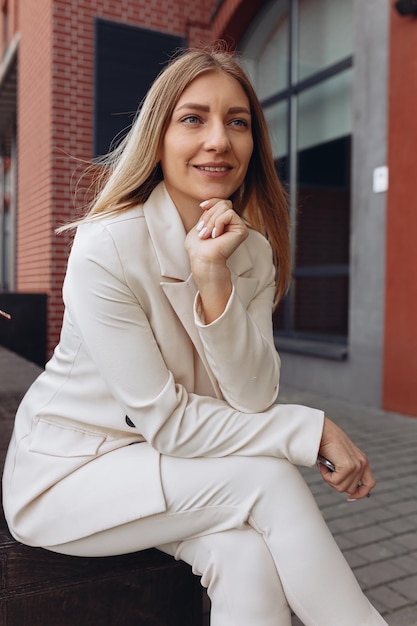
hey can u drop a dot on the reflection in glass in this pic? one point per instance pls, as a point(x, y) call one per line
point(325, 34)
point(276, 118)
point(321, 284)
point(321, 305)
point(325, 111)
point(310, 124)
point(265, 49)
point(323, 206)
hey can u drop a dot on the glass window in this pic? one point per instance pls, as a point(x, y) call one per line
point(127, 61)
point(274, 59)
point(325, 34)
point(325, 111)
point(266, 52)
point(277, 119)
point(321, 260)
point(310, 121)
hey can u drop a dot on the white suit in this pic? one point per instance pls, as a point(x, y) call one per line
point(137, 365)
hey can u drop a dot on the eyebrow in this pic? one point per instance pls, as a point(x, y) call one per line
point(205, 108)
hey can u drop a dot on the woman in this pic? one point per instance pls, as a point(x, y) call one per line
point(167, 343)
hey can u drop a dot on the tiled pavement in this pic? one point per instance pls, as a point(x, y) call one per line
point(379, 535)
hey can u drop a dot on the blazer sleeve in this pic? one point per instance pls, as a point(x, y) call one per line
point(239, 345)
point(118, 337)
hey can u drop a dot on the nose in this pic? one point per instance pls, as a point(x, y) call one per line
point(217, 138)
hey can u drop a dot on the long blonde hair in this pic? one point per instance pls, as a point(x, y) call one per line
point(131, 171)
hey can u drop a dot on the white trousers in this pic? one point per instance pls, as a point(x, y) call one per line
point(251, 529)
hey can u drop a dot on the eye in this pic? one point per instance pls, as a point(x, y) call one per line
point(240, 123)
point(190, 119)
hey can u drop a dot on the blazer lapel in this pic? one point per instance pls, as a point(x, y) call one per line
point(168, 235)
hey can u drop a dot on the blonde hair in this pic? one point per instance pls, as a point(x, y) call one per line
point(131, 171)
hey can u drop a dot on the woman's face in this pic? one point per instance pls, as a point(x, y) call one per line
point(208, 143)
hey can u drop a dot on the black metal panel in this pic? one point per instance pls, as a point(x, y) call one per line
point(127, 60)
point(25, 332)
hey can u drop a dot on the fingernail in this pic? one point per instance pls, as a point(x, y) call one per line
point(213, 233)
point(351, 499)
point(200, 225)
point(204, 203)
point(202, 232)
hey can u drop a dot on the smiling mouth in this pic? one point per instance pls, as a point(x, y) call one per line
point(207, 168)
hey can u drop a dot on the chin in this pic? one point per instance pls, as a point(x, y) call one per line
point(218, 191)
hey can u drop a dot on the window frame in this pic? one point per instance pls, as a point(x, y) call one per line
point(289, 338)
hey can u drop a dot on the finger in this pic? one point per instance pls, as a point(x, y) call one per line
point(343, 476)
point(208, 204)
point(358, 491)
point(361, 491)
point(227, 221)
point(353, 481)
point(364, 486)
point(362, 480)
point(325, 472)
point(357, 488)
point(212, 209)
point(220, 220)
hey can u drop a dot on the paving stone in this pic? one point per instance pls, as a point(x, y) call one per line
point(399, 525)
point(403, 617)
point(17, 374)
point(370, 534)
point(384, 598)
point(328, 498)
point(410, 479)
point(381, 513)
point(372, 576)
point(354, 558)
point(408, 562)
point(407, 587)
point(409, 540)
point(375, 552)
point(395, 547)
point(407, 506)
point(354, 517)
point(398, 498)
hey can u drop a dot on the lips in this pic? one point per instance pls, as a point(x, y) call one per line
point(213, 166)
point(208, 168)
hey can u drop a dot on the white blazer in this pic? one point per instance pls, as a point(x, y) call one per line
point(136, 364)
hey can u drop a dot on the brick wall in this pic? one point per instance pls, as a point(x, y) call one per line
point(55, 114)
point(34, 123)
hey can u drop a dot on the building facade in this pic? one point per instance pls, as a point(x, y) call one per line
point(338, 84)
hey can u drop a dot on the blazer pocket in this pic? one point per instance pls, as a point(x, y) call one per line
point(58, 440)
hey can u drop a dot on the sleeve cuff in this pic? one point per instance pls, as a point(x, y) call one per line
point(199, 318)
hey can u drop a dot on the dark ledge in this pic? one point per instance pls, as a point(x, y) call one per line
point(323, 349)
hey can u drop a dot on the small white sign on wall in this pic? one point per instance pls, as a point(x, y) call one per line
point(380, 179)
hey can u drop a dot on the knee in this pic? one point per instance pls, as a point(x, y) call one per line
point(237, 557)
point(239, 573)
point(271, 477)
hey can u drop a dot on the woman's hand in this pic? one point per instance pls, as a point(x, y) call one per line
point(218, 233)
point(353, 474)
